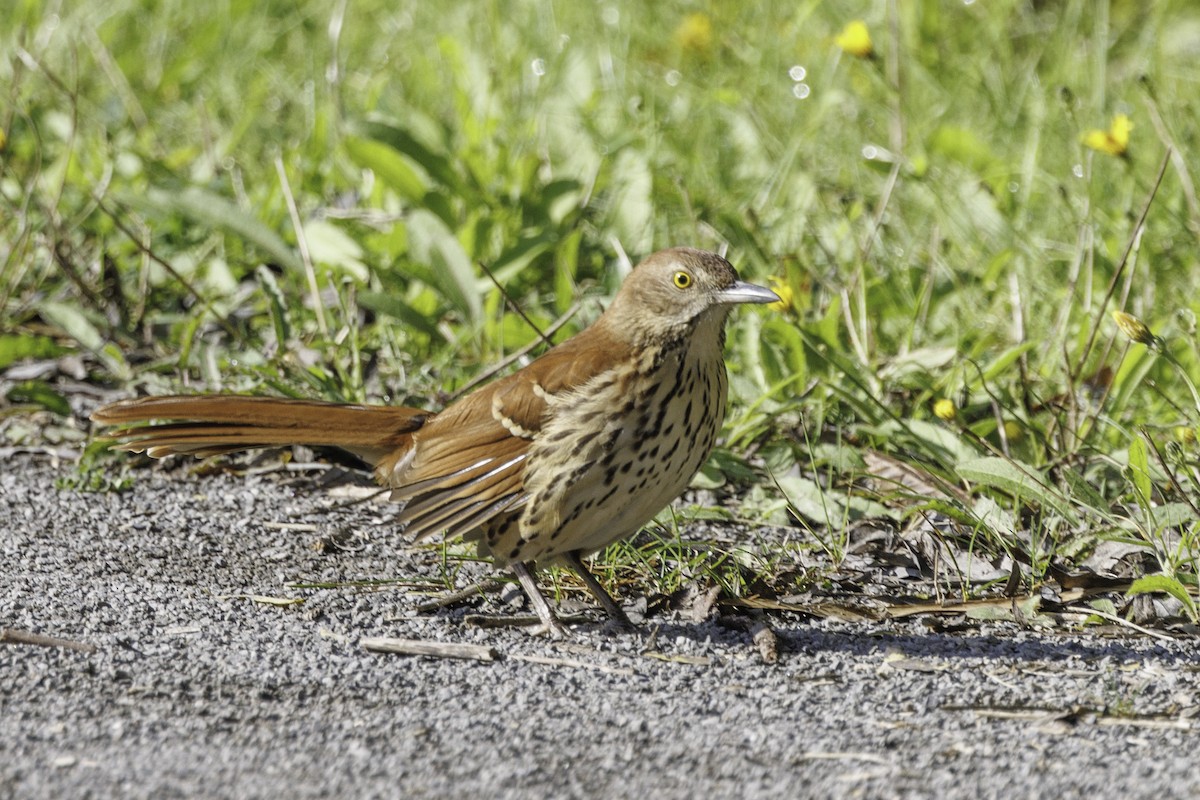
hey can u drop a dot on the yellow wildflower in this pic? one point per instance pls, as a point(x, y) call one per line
point(786, 295)
point(1133, 327)
point(855, 39)
point(1186, 435)
point(695, 33)
point(1013, 430)
point(945, 409)
point(1114, 141)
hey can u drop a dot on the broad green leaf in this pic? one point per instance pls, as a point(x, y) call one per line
point(1019, 480)
point(40, 393)
point(722, 465)
point(1104, 605)
point(559, 198)
point(516, 258)
point(332, 247)
point(1165, 584)
point(1173, 515)
point(391, 166)
point(784, 351)
point(828, 328)
point(829, 507)
point(1002, 362)
point(839, 456)
point(1139, 468)
point(922, 360)
point(949, 447)
point(15, 348)
point(433, 245)
point(996, 519)
point(1169, 515)
point(1082, 491)
point(436, 165)
point(393, 306)
point(72, 322)
point(213, 210)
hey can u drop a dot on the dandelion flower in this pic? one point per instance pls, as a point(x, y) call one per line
point(695, 33)
point(1114, 141)
point(855, 39)
point(1133, 327)
point(786, 295)
point(945, 409)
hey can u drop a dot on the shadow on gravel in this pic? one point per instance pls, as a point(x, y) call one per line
point(975, 645)
point(866, 641)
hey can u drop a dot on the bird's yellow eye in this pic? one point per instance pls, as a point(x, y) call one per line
point(682, 280)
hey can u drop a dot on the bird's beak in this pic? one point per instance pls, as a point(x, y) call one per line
point(742, 292)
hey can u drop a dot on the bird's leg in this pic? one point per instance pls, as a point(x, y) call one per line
point(541, 605)
point(611, 607)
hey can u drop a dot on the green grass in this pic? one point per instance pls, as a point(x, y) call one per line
point(297, 197)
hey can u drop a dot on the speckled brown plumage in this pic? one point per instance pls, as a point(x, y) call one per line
point(576, 450)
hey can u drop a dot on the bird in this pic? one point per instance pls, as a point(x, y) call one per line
point(576, 450)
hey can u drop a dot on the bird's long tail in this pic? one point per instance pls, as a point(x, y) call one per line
point(205, 425)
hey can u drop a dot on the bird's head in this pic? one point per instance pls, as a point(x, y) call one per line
point(673, 290)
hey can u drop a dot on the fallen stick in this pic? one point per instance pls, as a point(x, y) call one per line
point(766, 641)
point(417, 647)
point(9, 636)
point(516, 620)
point(456, 597)
point(573, 663)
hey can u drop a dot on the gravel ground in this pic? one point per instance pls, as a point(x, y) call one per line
point(195, 688)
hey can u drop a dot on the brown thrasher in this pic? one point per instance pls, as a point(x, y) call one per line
point(578, 449)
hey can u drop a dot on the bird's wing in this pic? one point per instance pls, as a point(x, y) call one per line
point(468, 463)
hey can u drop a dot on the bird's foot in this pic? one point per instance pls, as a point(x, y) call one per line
point(618, 619)
point(551, 625)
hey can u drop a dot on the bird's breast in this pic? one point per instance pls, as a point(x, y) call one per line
point(616, 451)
